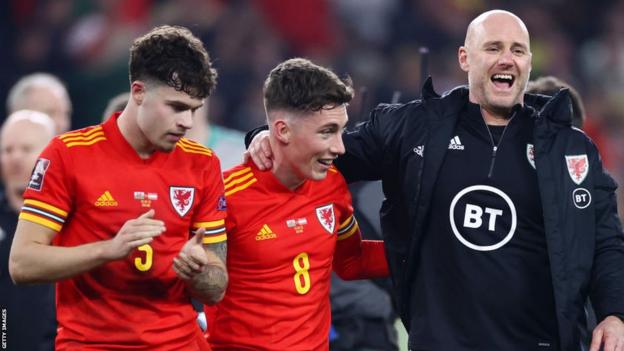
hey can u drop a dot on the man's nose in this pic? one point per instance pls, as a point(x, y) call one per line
point(506, 58)
point(186, 120)
point(337, 146)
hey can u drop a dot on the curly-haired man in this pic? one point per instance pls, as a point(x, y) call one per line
point(119, 201)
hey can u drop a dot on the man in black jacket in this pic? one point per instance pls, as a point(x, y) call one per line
point(499, 219)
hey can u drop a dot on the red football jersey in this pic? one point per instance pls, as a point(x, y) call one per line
point(85, 185)
point(281, 245)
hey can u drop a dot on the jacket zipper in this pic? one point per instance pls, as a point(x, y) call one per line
point(495, 146)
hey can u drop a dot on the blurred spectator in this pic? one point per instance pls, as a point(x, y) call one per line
point(362, 316)
point(116, 103)
point(31, 323)
point(227, 143)
point(45, 93)
point(550, 85)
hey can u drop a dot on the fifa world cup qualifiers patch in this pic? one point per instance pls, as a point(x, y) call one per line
point(38, 174)
point(222, 204)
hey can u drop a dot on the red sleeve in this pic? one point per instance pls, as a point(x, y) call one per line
point(212, 207)
point(356, 258)
point(47, 199)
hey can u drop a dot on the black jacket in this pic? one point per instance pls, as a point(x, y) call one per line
point(404, 146)
point(30, 310)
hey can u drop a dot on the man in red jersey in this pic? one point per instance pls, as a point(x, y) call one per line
point(109, 210)
point(289, 227)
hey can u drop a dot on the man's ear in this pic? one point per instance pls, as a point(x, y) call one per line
point(462, 57)
point(137, 92)
point(282, 130)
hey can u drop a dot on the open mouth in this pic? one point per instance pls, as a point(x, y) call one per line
point(503, 80)
point(326, 161)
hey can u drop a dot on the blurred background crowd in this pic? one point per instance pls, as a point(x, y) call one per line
point(379, 43)
point(376, 42)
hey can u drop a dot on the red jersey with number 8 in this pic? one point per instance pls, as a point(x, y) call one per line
point(281, 246)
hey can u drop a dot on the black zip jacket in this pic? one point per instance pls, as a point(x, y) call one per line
point(404, 146)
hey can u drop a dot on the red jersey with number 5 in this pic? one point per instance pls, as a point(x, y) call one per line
point(281, 247)
point(85, 186)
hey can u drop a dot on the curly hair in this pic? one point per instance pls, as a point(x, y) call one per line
point(301, 86)
point(174, 56)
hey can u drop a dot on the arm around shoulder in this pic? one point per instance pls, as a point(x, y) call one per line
point(371, 144)
point(359, 259)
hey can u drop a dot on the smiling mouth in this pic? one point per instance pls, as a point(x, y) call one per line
point(326, 162)
point(502, 80)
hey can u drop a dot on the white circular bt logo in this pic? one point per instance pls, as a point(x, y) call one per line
point(475, 214)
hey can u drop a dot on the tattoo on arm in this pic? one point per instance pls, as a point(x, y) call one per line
point(219, 249)
point(210, 285)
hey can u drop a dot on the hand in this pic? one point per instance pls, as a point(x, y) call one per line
point(260, 151)
point(610, 334)
point(134, 233)
point(192, 259)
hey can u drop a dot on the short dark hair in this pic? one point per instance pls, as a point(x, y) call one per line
point(174, 56)
point(299, 85)
point(550, 85)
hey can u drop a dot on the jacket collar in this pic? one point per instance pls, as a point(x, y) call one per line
point(556, 109)
point(447, 105)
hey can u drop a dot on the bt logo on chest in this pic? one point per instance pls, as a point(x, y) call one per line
point(487, 217)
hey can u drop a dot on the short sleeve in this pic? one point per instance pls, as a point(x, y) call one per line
point(212, 208)
point(347, 225)
point(48, 199)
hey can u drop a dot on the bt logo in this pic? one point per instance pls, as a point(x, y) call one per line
point(479, 230)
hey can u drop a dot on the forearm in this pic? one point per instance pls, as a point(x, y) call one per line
point(209, 286)
point(33, 259)
point(42, 263)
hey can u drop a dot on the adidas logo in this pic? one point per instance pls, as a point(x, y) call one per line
point(455, 144)
point(419, 150)
point(265, 233)
point(106, 200)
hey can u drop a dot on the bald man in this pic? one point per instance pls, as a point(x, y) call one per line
point(23, 136)
point(45, 93)
point(30, 312)
point(499, 218)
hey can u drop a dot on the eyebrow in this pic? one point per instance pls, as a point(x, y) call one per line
point(332, 125)
point(182, 105)
point(498, 42)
